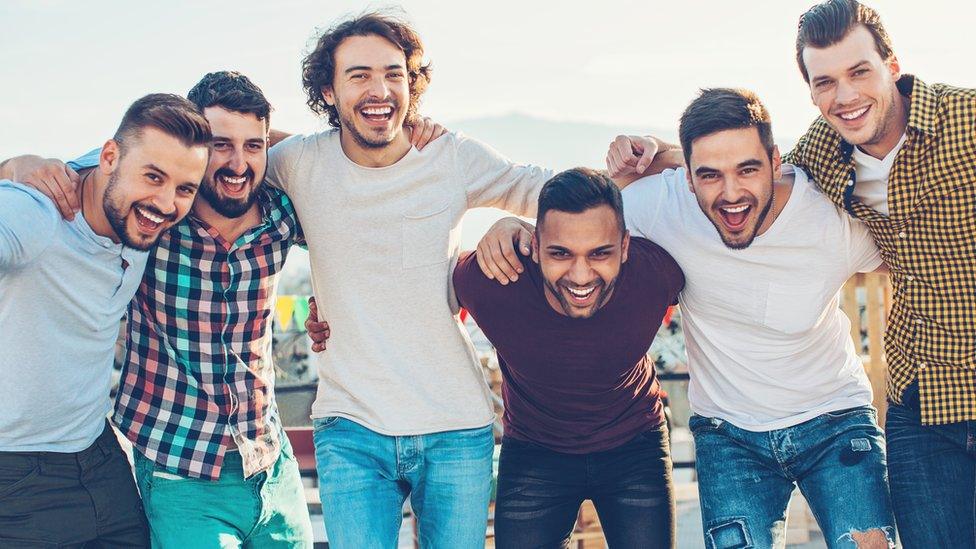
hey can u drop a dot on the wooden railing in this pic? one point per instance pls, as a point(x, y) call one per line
point(866, 299)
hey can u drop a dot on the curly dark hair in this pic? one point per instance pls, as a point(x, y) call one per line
point(233, 91)
point(318, 67)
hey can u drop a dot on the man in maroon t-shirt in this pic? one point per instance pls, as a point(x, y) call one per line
point(583, 418)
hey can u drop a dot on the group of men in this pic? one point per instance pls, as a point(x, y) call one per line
point(753, 248)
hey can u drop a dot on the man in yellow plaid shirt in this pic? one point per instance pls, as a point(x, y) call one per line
point(900, 155)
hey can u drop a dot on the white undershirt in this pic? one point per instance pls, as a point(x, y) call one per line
point(872, 177)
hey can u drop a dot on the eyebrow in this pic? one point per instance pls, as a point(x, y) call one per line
point(821, 78)
point(156, 168)
point(751, 163)
point(248, 140)
point(365, 68)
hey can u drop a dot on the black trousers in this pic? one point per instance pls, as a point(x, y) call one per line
point(540, 492)
point(86, 499)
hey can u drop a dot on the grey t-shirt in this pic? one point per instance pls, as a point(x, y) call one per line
point(63, 291)
point(382, 244)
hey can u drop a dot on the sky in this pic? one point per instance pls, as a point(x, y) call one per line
point(73, 67)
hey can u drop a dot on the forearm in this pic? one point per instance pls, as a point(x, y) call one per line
point(9, 168)
point(277, 136)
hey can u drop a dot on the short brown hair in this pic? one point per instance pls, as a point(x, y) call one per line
point(168, 113)
point(830, 22)
point(720, 109)
point(318, 67)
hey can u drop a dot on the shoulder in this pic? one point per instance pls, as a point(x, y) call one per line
point(645, 257)
point(473, 288)
point(27, 217)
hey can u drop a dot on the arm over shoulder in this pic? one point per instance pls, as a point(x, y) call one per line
point(491, 180)
point(282, 159)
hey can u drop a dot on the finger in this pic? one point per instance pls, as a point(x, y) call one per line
point(492, 258)
point(313, 309)
point(53, 191)
point(650, 151)
point(426, 134)
point(483, 265)
point(438, 131)
point(502, 253)
point(525, 243)
point(69, 186)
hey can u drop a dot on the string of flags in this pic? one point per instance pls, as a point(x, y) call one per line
point(291, 311)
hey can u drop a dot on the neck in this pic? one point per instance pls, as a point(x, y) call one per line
point(893, 134)
point(782, 189)
point(379, 157)
point(93, 186)
point(229, 228)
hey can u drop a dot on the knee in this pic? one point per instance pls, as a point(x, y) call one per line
point(872, 538)
point(729, 534)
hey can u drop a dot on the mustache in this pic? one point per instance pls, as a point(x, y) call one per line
point(378, 102)
point(155, 211)
point(227, 172)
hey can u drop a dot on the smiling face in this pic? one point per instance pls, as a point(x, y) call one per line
point(732, 176)
point(370, 90)
point(855, 90)
point(150, 187)
point(580, 255)
point(237, 162)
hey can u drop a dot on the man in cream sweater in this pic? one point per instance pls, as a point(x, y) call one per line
point(402, 407)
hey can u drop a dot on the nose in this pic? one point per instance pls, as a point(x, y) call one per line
point(165, 199)
point(236, 161)
point(846, 92)
point(378, 88)
point(580, 272)
point(731, 190)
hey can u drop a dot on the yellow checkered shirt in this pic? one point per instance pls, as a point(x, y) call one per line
point(928, 241)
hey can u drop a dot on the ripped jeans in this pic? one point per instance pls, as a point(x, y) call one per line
point(837, 459)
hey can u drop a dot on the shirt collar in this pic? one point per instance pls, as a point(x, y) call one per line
point(923, 109)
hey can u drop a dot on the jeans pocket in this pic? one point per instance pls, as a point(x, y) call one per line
point(14, 476)
point(701, 424)
point(847, 413)
point(323, 423)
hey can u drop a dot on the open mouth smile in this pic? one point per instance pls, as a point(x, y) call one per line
point(734, 217)
point(147, 221)
point(855, 115)
point(234, 185)
point(377, 113)
point(580, 296)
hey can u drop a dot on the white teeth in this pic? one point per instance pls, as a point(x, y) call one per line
point(378, 111)
point(234, 180)
point(736, 209)
point(150, 217)
point(854, 114)
point(581, 293)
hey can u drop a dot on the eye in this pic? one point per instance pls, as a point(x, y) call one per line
point(154, 177)
point(749, 171)
point(187, 190)
point(823, 84)
point(359, 76)
point(255, 146)
point(395, 75)
point(860, 72)
point(221, 146)
point(558, 254)
point(602, 254)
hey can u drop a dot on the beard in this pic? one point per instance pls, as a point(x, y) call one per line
point(605, 289)
point(226, 206)
point(719, 226)
point(348, 123)
point(117, 214)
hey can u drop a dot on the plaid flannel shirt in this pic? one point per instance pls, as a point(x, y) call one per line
point(928, 241)
point(199, 378)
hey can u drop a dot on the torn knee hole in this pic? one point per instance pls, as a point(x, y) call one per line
point(874, 538)
point(729, 535)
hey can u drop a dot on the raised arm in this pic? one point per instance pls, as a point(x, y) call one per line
point(50, 176)
point(631, 157)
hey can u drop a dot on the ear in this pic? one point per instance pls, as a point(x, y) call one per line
point(535, 247)
point(894, 67)
point(108, 160)
point(777, 164)
point(688, 178)
point(328, 95)
point(625, 247)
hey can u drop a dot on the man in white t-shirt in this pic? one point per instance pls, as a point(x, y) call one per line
point(779, 395)
point(402, 406)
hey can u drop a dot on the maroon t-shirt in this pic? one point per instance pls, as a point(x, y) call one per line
point(576, 385)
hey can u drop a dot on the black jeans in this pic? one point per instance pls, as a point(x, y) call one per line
point(540, 492)
point(86, 499)
point(932, 473)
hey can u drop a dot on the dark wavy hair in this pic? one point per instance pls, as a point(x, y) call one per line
point(830, 22)
point(168, 113)
point(233, 91)
point(318, 67)
point(720, 109)
point(578, 190)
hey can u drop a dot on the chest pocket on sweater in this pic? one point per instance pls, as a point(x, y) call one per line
point(426, 237)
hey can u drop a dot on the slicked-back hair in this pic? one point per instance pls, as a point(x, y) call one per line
point(318, 67)
point(720, 109)
point(578, 190)
point(828, 23)
point(233, 91)
point(168, 113)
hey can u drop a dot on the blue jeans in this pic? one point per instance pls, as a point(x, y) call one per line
point(364, 478)
point(540, 492)
point(745, 479)
point(933, 477)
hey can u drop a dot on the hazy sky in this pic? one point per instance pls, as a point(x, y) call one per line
point(72, 67)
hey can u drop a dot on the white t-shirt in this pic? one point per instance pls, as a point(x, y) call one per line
point(768, 346)
point(382, 245)
point(872, 177)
